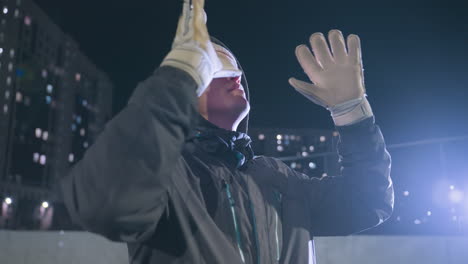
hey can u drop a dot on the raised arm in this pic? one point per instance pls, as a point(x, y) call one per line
point(362, 196)
point(121, 186)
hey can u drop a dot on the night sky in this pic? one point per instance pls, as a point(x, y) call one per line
point(415, 54)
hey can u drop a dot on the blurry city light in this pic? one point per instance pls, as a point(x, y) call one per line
point(78, 77)
point(36, 157)
point(311, 148)
point(48, 99)
point(5, 10)
point(12, 53)
point(85, 144)
point(85, 103)
point(44, 73)
point(452, 187)
point(49, 88)
point(305, 154)
point(19, 97)
point(16, 12)
point(27, 20)
point(417, 222)
point(279, 148)
point(1, 50)
point(335, 133)
point(82, 132)
point(42, 159)
point(10, 67)
point(324, 174)
point(7, 94)
point(406, 193)
point(45, 135)
point(38, 132)
point(323, 138)
point(8, 200)
point(5, 109)
point(429, 213)
point(456, 196)
point(278, 142)
point(312, 165)
point(78, 119)
point(45, 204)
point(279, 137)
point(71, 157)
point(261, 136)
point(293, 165)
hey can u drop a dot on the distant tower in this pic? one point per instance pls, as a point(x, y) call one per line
point(53, 102)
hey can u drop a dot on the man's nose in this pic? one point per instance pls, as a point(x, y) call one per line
point(236, 79)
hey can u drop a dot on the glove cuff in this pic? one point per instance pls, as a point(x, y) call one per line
point(194, 61)
point(351, 112)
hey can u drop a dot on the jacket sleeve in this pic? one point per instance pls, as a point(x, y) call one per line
point(361, 197)
point(120, 187)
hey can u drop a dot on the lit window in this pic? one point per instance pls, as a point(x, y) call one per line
point(85, 144)
point(8, 200)
point(19, 97)
point(417, 222)
point(7, 94)
point(78, 77)
point(5, 109)
point(278, 142)
point(27, 20)
point(10, 67)
point(73, 127)
point(44, 74)
point(12, 53)
point(45, 204)
point(49, 88)
point(261, 136)
point(280, 148)
point(36, 157)
point(42, 160)
point(5, 10)
point(311, 148)
point(16, 13)
point(8, 80)
point(429, 213)
point(323, 138)
point(406, 193)
point(312, 165)
point(48, 99)
point(71, 157)
point(279, 137)
point(1, 50)
point(38, 132)
point(78, 119)
point(45, 135)
point(304, 154)
point(85, 103)
point(82, 132)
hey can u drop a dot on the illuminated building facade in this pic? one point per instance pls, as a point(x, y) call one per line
point(53, 103)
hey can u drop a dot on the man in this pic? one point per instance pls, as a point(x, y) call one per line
point(173, 174)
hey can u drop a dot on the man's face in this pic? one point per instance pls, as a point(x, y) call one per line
point(225, 97)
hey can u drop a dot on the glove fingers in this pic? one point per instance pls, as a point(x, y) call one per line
point(354, 47)
point(310, 91)
point(338, 46)
point(199, 18)
point(321, 50)
point(307, 60)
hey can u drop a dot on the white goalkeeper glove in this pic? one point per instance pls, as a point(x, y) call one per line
point(337, 80)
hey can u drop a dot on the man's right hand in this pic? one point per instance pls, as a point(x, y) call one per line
point(192, 50)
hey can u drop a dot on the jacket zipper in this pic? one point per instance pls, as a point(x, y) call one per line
point(234, 219)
